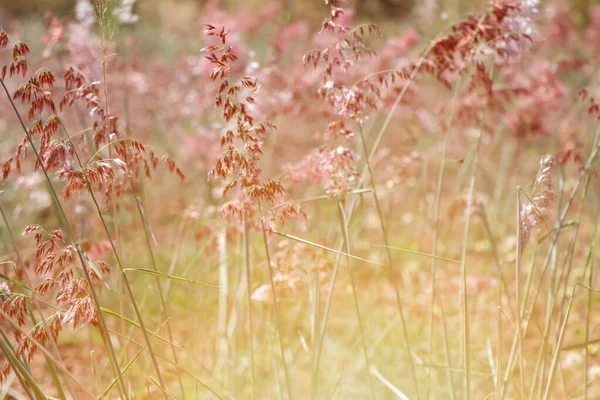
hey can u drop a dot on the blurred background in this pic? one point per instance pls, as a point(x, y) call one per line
point(180, 17)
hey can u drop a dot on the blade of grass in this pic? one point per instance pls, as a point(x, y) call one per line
point(188, 353)
point(27, 382)
point(420, 253)
point(561, 336)
point(341, 253)
point(392, 269)
point(7, 385)
point(434, 257)
point(315, 335)
point(159, 274)
point(388, 384)
point(519, 254)
point(588, 310)
point(561, 219)
point(159, 386)
point(179, 367)
point(42, 348)
point(249, 301)
point(55, 378)
point(343, 224)
point(163, 303)
point(111, 386)
point(117, 259)
point(276, 306)
point(553, 298)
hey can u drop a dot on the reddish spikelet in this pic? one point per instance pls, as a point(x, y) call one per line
point(173, 167)
point(333, 169)
point(6, 168)
point(4, 372)
point(534, 215)
point(18, 66)
point(20, 49)
point(243, 144)
point(490, 32)
point(3, 40)
point(45, 78)
point(29, 229)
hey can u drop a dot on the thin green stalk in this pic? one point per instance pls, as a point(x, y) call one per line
point(63, 217)
point(19, 368)
point(5, 390)
point(128, 366)
point(18, 375)
point(249, 301)
point(355, 296)
point(338, 252)
point(518, 292)
point(388, 384)
point(191, 355)
point(588, 310)
point(571, 251)
point(315, 337)
point(158, 385)
point(161, 296)
point(466, 344)
point(494, 245)
point(118, 260)
point(53, 373)
point(438, 198)
point(561, 220)
point(323, 330)
point(447, 352)
point(276, 306)
point(43, 349)
point(101, 17)
point(561, 336)
point(55, 379)
point(392, 269)
point(174, 258)
point(498, 352)
point(541, 361)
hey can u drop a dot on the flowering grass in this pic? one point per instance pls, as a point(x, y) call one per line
point(283, 210)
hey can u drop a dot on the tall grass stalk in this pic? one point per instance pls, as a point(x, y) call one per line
point(434, 249)
point(315, 337)
point(118, 260)
point(554, 299)
point(591, 258)
point(275, 304)
point(46, 352)
point(466, 339)
point(557, 350)
point(159, 287)
point(249, 301)
point(518, 291)
point(361, 326)
point(392, 270)
point(561, 220)
point(101, 17)
point(70, 233)
point(19, 369)
point(53, 373)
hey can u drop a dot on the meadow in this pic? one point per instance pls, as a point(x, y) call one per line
point(258, 204)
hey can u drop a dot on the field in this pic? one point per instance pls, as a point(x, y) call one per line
point(267, 202)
